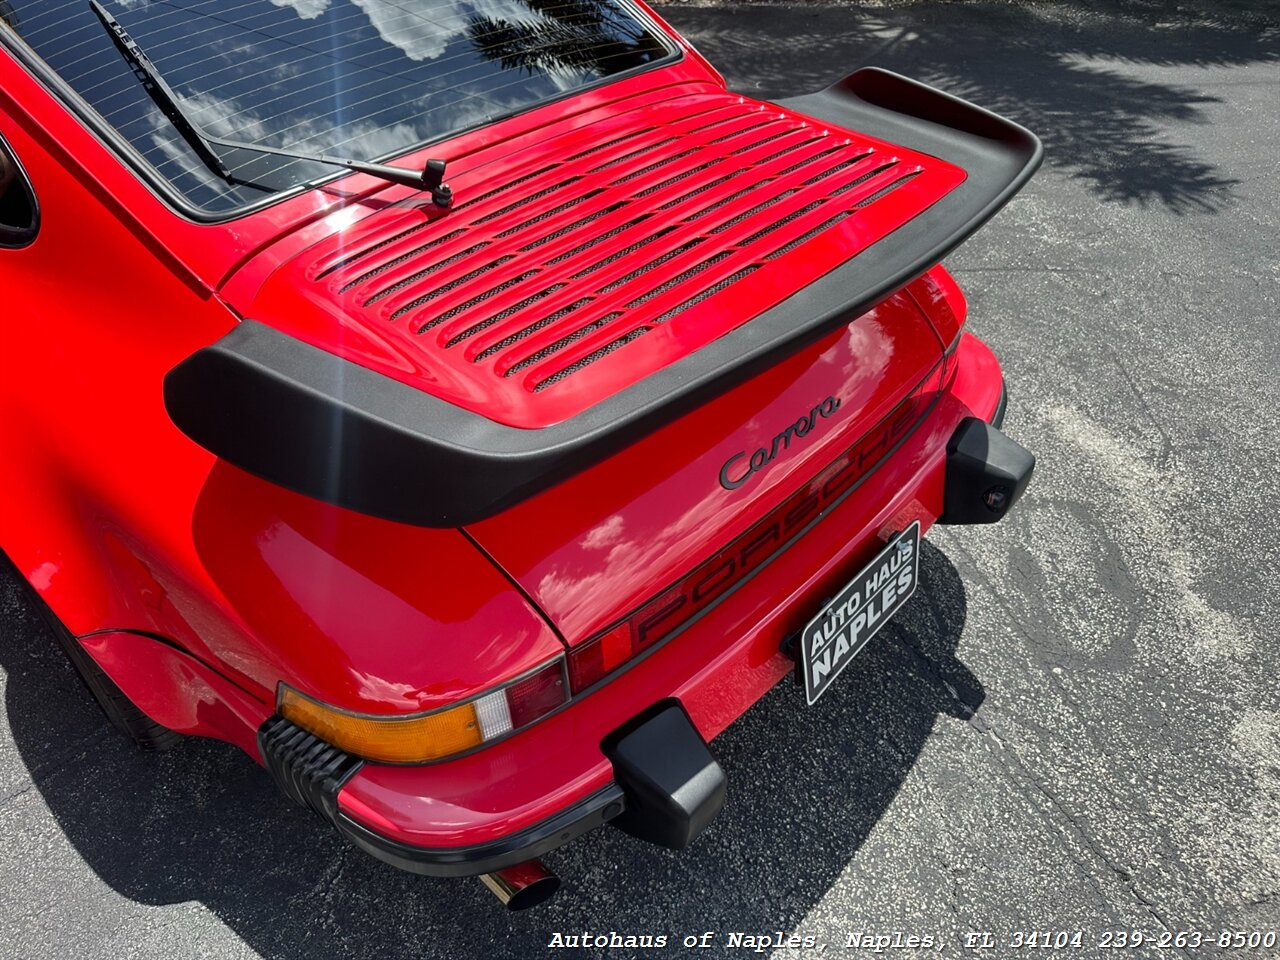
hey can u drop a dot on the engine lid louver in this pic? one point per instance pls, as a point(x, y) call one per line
point(586, 260)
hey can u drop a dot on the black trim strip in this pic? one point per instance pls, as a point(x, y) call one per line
point(274, 405)
point(588, 813)
point(997, 416)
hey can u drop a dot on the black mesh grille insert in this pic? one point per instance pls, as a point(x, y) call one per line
point(734, 221)
point(692, 172)
point(547, 214)
point(569, 228)
point(563, 342)
point(383, 268)
point(814, 159)
point(779, 224)
point(511, 311)
point(476, 300)
point(509, 185)
point(867, 201)
point(527, 199)
point(789, 148)
point(711, 291)
point(808, 235)
point(729, 118)
point(590, 359)
point(534, 328)
point(627, 251)
point(755, 126)
point(415, 277)
point(681, 278)
point(599, 238)
point(723, 201)
point(620, 234)
point(385, 243)
point(616, 161)
point(657, 164)
point(701, 190)
point(432, 294)
point(845, 188)
point(608, 143)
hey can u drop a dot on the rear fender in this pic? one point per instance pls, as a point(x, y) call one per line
point(176, 690)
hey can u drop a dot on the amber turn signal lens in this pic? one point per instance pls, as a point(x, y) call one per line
point(411, 739)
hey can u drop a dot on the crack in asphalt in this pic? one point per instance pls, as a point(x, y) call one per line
point(1166, 443)
point(10, 798)
point(953, 880)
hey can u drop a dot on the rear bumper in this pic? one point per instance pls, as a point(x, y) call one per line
point(554, 781)
point(593, 810)
point(668, 789)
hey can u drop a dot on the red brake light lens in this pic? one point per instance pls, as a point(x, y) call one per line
point(597, 658)
point(536, 695)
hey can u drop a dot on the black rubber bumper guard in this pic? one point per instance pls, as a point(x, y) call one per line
point(667, 789)
point(986, 472)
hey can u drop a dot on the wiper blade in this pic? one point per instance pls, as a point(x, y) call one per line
point(430, 178)
point(154, 84)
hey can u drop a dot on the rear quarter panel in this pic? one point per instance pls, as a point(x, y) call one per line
point(123, 524)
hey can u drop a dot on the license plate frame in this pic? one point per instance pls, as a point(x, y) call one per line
point(846, 623)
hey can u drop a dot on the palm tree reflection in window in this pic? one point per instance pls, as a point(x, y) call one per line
point(567, 37)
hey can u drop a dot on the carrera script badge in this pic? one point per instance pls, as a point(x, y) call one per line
point(738, 469)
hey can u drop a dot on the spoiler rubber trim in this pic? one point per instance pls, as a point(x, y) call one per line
point(310, 421)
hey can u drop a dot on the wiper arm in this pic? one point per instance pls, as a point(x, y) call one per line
point(430, 178)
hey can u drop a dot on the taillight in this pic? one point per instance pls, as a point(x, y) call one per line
point(597, 658)
point(436, 734)
point(536, 695)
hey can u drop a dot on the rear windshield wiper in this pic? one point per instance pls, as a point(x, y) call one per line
point(430, 178)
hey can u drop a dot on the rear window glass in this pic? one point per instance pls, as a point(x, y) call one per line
point(361, 79)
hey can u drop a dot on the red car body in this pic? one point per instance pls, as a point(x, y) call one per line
point(200, 587)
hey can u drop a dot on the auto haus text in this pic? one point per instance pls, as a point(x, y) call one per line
point(754, 942)
point(847, 625)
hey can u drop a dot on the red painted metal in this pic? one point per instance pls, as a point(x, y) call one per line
point(177, 690)
point(728, 567)
point(365, 614)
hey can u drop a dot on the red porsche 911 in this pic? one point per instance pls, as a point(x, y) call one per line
point(470, 407)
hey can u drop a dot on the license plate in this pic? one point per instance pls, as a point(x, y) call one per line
point(831, 640)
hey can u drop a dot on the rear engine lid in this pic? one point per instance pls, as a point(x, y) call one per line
point(583, 259)
point(602, 275)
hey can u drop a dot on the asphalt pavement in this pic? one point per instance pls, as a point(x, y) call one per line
point(1073, 726)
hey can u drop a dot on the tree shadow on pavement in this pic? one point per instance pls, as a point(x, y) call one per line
point(1084, 77)
point(203, 823)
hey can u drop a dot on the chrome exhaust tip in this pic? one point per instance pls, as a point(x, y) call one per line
point(523, 886)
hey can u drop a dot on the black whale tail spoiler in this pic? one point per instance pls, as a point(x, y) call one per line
point(326, 427)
